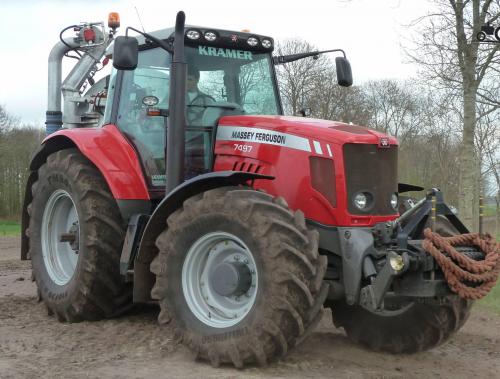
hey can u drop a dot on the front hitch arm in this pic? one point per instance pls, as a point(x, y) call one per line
point(372, 296)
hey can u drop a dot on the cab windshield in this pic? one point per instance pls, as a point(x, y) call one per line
point(238, 81)
point(220, 82)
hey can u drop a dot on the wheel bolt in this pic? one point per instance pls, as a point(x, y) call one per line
point(245, 261)
point(236, 257)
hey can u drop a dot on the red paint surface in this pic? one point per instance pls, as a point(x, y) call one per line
point(290, 167)
point(113, 155)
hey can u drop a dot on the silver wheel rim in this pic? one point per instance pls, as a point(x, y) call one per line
point(60, 218)
point(205, 303)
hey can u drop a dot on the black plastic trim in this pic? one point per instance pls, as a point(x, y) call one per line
point(328, 237)
point(116, 97)
point(130, 207)
point(404, 187)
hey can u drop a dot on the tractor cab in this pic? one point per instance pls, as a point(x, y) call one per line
point(228, 73)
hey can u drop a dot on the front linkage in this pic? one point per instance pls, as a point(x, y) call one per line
point(404, 266)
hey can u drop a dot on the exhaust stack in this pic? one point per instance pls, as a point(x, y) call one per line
point(177, 110)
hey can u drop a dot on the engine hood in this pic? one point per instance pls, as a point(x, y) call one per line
point(331, 131)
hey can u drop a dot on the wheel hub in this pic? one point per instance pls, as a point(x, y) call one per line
point(219, 279)
point(73, 237)
point(231, 279)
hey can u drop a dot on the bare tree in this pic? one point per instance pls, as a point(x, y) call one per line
point(17, 144)
point(453, 61)
point(395, 108)
point(298, 79)
point(6, 120)
point(329, 101)
point(423, 121)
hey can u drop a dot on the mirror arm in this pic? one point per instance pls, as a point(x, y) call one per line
point(164, 45)
point(282, 59)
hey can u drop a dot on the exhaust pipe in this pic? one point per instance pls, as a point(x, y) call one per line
point(176, 135)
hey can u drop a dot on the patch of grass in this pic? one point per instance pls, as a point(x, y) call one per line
point(490, 210)
point(492, 301)
point(9, 228)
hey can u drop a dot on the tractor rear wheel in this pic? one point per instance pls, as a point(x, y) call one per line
point(239, 276)
point(410, 328)
point(76, 234)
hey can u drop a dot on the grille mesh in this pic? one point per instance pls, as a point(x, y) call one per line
point(369, 168)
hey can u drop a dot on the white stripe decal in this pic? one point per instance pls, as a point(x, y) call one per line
point(264, 136)
point(317, 147)
point(329, 151)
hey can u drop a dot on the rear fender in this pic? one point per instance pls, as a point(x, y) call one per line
point(108, 150)
point(143, 278)
point(112, 155)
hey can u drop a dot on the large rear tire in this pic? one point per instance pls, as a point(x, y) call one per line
point(281, 296)
point(412, 328)
point(76, 235)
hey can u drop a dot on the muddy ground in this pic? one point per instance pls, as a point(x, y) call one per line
point(34, 345)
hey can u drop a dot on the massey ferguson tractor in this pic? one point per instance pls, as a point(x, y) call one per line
point(177, 180)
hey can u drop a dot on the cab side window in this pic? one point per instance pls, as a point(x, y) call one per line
point(147, 133)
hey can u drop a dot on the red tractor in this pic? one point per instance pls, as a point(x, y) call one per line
point(178, 180)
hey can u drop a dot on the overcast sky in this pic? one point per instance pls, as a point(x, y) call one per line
point(370, 31)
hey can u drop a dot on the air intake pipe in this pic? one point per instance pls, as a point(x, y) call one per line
point(53, 121)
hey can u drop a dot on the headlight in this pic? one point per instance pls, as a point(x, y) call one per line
point(210, 36)
point(397, 262)
point(267, 43)
point(361, 201)
point(193, 34)
point(394, 201)
point(252, 41)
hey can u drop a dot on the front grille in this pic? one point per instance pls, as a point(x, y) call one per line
point(369, 168)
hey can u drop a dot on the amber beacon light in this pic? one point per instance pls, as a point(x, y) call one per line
point(113, 20)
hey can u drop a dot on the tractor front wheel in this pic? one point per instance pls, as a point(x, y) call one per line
point(239, 276)
point(76, 234)
point(409, 328)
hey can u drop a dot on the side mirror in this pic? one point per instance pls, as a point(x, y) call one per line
point(344, 73)
point(125, 53)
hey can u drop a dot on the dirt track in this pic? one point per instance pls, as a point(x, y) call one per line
point(34, 345)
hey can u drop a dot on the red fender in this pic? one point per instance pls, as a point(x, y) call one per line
point(110, 152)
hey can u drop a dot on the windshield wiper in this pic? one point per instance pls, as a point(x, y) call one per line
point(216, 105)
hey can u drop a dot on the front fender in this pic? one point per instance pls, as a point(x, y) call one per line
point(143, 278)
